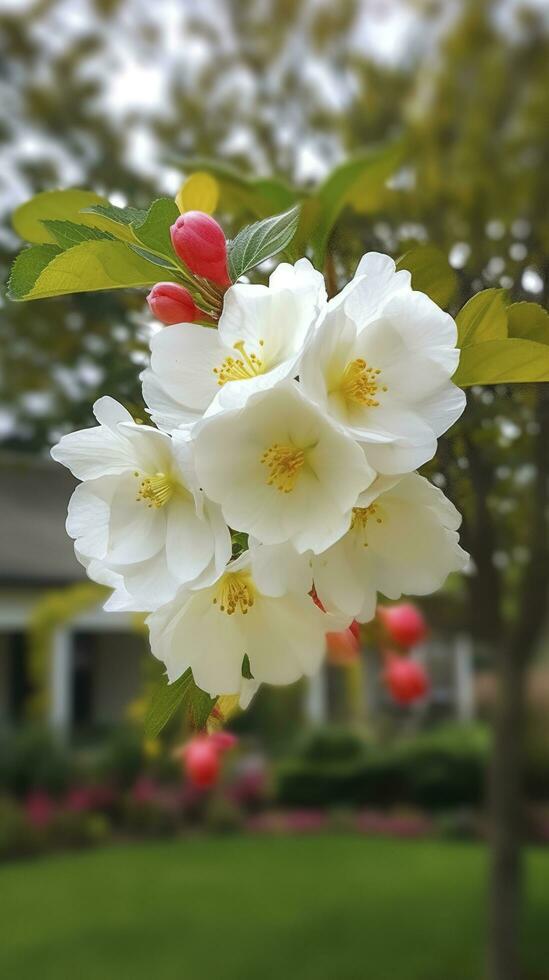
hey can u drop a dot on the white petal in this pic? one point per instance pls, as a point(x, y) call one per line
point(152, 449)
point(109, 412)
point(279, 568)
point(189, 540)
point(89, 516)
point(137, 531)
point(443, 408)
point(149, 583)
point(286, 639)
point(166, 412)
point(375, 282)
point(341, 578)
point(424, 327)
point(191, 631)
point(90, 453)
point(183, 358)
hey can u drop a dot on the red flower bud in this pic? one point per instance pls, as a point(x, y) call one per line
point(405, 679)
point(202, 762)
point(404, 624)
point(201, 244)
point(223, 741)
point(355, 630)
point(171, 303)
point(342, 647)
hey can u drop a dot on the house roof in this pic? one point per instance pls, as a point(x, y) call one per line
point(34, 546)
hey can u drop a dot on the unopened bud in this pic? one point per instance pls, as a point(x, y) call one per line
point(404, 624)
point(171, 303)
point(342, 647)
point(200, 243)
point(202, 762)
point(405, 679)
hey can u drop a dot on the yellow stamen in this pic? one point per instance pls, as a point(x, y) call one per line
point(359, 383)
point(240, 368)
point(235, 593)
point(361, 516)
point(284, 464)
point(157, 489)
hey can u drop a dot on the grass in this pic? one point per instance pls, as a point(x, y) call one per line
point(236, 908)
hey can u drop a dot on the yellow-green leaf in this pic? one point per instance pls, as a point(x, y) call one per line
point(66, 205)
point(528, 321)
point(27, 267)
point(511, 360)
point(363, 174)
point(483, 318)
point(199, 192)
point(260, 196)
point(431, 273)
point(88, 267)
point(154, 230)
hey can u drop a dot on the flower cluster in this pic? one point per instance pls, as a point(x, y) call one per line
point(287, 424)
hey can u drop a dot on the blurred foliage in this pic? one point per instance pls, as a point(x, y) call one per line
point(52, 612)
point(439, 769)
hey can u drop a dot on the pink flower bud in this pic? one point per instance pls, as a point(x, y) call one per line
point(405, 679)
point(202, 763)
point(404, 624)
point(171, 303)
point(223, 741)
point(200, 243)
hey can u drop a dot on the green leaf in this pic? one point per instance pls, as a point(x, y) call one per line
point(239, 541)
point(159, 260)
point(120, 216)
point(503, 361)
point(260, 196)
point(528, 321)
point(29, 219)
point(431, 273)
point(118, 221)
point(259, 241)
point(483, 318)
point(154, 230)
point(27, 267)
point(246, 668)
point(68, 233)
point(356, 182)
point(87, 267)
point(167, 698)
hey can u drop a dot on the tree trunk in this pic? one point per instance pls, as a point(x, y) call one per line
point(505, 802)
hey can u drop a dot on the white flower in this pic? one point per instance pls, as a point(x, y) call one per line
point(261, 334)
point(212, 629)
point(380, 363)
point(139, 520)
point(402, 541)
point(281, 470)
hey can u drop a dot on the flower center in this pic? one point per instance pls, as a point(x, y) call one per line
point(284, 464)
point(361, 516)
point(157, 489)
point(359, 383)
point(239, 368)
point(235, 593)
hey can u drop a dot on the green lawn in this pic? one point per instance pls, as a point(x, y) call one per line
point(235, 908)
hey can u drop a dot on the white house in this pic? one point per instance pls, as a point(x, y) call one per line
point(95, 665)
